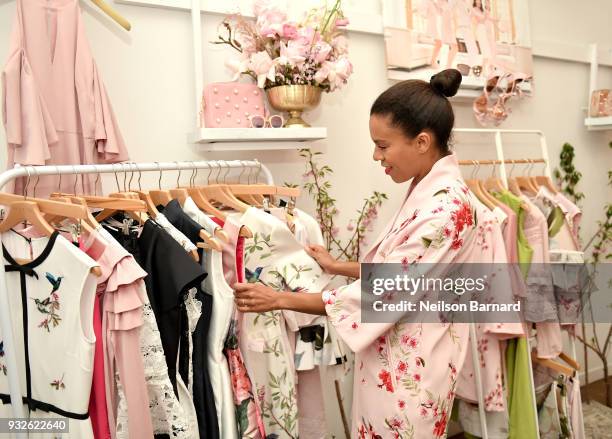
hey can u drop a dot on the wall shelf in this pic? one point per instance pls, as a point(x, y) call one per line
point(598, 123)
point(227, 139)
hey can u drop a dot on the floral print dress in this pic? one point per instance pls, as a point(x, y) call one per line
point(406, 373)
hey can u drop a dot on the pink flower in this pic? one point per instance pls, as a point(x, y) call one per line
point(262, 65)
point(323, 72)
point(340, 45)
point(340, 70)
point(335, 231)
point(417, 377)
point(290, 31)
point(350, 226)
point(342, 22)
point(354, 325)
point(401, 404)
point(308, 35)
point(270, 22)
point(321, 51)
point(292, 53)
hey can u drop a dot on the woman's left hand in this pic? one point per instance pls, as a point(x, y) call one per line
point(255, 297)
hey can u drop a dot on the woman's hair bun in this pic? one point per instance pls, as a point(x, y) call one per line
point(446, 82)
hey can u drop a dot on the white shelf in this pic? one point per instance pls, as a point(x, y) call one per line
point(598, 123)
point(219, 139)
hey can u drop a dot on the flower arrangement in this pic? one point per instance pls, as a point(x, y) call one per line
point(276, 51)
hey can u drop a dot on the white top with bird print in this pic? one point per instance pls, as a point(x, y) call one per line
point(54, 338)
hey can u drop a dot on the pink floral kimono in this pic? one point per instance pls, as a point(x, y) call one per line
point(406, 373)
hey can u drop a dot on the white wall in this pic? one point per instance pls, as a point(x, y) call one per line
point(149, 76)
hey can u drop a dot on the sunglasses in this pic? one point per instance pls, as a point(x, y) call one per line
point(274, 121)
point(464, 69)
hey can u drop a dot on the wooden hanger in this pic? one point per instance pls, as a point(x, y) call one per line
point(160, 196)
point(526, 183)
point(31, 210)
point(20, 211)
point(112, 14)
point(552, 364)
point(474, 186)
point(546, 181)
point(179, 193)
point(512, 183)
point(569, 360)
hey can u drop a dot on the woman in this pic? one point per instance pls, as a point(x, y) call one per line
point(405, 373)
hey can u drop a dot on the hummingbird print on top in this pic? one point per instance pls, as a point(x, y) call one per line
point(49, 306)
point(55, 282)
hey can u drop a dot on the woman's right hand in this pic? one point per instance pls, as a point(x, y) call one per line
point(322, 256)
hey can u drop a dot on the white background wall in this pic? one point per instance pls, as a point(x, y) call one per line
point(148, 73)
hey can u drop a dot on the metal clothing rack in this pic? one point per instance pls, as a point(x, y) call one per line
point(34, 171)
point(502, 161)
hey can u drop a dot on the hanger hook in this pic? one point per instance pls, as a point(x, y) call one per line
point(139, 176)
point(116, 179)
point(530, 167)
point(194, 175)
point(25, 189)
point(218, 165)
point(178, 183)
point(210, 169)
point(258, 170)
point(160, 175)
point(131, 176)
point(494, 173)
point(247, 166)
point(97, 180)
point(37, 180)
point(124, 169)
point(242, 169)
point(229, 168)
point(59, 183)
point(76, 180)
point(512, 168)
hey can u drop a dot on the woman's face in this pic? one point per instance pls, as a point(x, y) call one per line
point(402, 158)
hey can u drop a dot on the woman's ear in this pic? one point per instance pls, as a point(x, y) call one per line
point(424, 141)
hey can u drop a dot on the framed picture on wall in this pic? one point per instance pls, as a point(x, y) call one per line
point(473, 36)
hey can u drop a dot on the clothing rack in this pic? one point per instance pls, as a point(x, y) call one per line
point(502, 161)
point(35, 171)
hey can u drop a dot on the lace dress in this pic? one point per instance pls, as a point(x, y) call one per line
point(169, 416)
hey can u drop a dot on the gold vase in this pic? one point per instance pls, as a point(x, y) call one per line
point(295, 99)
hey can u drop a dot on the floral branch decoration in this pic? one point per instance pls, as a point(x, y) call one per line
point(318, 186)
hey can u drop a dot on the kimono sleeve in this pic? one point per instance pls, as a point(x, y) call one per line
point(432, 238)
point(28, 124)
point(109, 142)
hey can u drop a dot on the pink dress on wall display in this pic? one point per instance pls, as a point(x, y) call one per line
point(406, 373)
point(55, 107)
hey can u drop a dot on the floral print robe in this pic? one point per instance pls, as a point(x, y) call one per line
point(406, 373)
